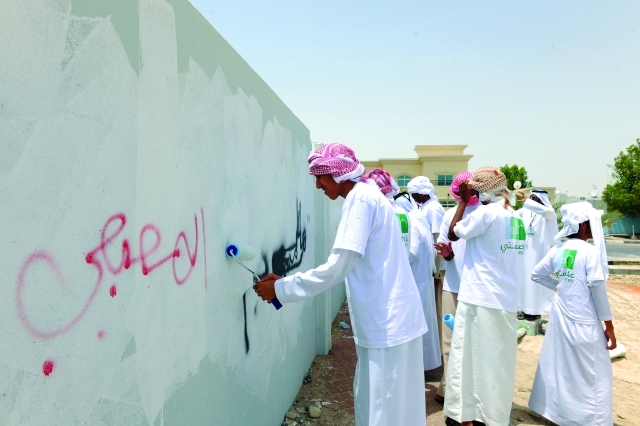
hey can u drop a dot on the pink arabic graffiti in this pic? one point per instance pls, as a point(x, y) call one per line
point(112, 228)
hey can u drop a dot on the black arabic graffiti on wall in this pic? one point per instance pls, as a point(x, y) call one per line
point(283, 260)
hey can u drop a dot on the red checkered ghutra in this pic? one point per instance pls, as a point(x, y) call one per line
point(384, 181)
point(333, 159)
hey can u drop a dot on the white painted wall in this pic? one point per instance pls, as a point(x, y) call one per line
point(108, 168)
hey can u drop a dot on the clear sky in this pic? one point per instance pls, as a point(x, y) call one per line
point(550, 85)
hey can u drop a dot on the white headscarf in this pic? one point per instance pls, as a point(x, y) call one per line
point(543, 195)
point(404, 203)
point(576, 213)
point(422, 185)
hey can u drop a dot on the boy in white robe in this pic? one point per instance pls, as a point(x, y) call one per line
point(384, 304)
point(539, 219)
point(573, 383)
point(421, 258)
point(423, 193)
point(453, 261)
point(482, 362)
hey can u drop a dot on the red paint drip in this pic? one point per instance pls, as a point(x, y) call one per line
point(204, 243)
point(101, 334)
point(47, 367)
point(112, 291)
point(126, 254)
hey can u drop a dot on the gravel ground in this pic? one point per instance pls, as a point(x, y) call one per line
point(329, 381)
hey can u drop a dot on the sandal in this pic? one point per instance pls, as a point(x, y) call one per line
point(448, 421)
point(439, 399)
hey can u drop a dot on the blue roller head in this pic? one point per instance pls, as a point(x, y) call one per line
point(231, 250)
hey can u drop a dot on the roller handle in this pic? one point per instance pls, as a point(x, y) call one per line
point(276, 303)
point(232, 251)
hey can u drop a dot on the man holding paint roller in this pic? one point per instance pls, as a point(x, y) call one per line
point(384, 303)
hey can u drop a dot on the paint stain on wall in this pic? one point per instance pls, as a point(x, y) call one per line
point(284, 260)
point(246, 335)
point(48, 366)
point(288, 258)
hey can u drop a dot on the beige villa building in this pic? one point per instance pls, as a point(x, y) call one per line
point(440, 163)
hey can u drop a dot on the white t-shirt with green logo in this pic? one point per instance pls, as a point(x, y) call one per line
point(405, 227)
point(384, 301)
point(577, 265)
point(493, 258)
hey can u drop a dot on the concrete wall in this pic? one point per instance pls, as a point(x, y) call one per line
point(135, 143)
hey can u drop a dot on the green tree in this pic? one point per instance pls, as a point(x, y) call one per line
point(514, 173)
point(624, 195)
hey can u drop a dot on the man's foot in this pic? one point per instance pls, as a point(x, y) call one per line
point(520, 315)
point(439, 399)
point(450, 422)
point(528, 317)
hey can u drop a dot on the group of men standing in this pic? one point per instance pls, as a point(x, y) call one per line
point(407, 264)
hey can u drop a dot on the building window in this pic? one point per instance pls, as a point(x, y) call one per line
point(403, 180)
point(445, 180)
point(448, 203)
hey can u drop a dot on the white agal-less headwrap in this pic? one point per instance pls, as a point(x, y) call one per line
point(573, 215)
point(422, 185)
point(544, 197)
point(404, 203)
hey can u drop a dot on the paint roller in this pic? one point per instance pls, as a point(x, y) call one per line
point(240, 252)
point(449, 320)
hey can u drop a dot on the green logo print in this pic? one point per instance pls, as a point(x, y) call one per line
point(515, 229)
point(404, 222)
point(569, 258)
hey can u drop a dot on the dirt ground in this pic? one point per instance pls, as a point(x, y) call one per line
point(329, 382)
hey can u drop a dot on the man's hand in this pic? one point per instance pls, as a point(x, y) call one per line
point(610, 335)
point(465, 192)
point(265, 288)
point(444, 249)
